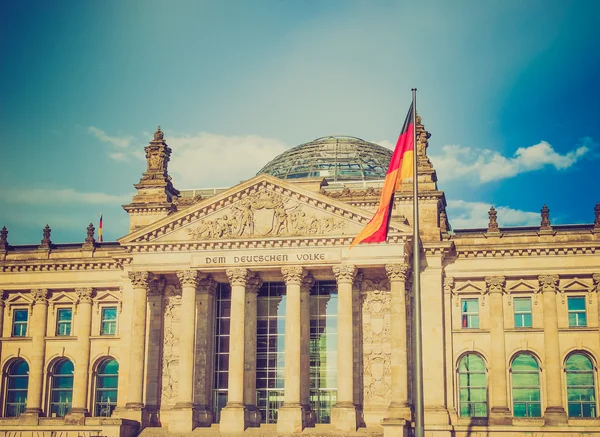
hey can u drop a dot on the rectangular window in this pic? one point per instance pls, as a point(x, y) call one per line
point(108, 324)
point(576, 306)
point(20, 318)
point(63, 321)
point(470, 313)
point(522, 312)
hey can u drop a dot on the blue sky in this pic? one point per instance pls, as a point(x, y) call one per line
point(509, 91)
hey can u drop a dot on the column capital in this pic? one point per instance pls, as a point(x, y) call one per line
point(189, 278)
point(397, 271)
point(139, 279)
point(3, 296)
point(253, 283)
point(307, 282)
point(345, 273)
point(495, 284)
point(156, 285)
point(596, 279)
point(207, 285)
point(40, 295)
point(84, 294)
point(237, 275)
point(548, 283)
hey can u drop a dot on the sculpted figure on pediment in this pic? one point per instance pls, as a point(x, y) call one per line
point(264, 214)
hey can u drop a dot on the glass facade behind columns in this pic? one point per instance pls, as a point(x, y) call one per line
point(323, 349)
point(222, 317)
point(270, 349)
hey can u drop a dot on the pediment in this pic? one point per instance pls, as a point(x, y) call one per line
point(262, 208)
point(521, 286)
point(575, 284)
point(469, 287)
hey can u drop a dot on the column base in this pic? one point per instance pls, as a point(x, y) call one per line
point(204, 416)
point(310, 417)
point(343, 416)
point(398, 411)
point(436, 416)
point(132, 411)
point(555, 416)
point(290, 419)
point(233, 419)
point(500, 416)
point(181, 419)
point(31, 416)
point(396, 427)
point(76, 416)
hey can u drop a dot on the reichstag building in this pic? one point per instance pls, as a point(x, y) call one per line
point(243, 310)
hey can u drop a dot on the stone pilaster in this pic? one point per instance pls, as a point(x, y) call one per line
point(37, 332)
point(343, 414)
point(305, 286)
point(253, 416)
point(83, 326)
point(398, 414)
point(154, 351)
point(2, 307)
point(204, 364)
point(182, 416)
point(499, 410)
point(291, 416)
point(233, 415)
point(555, 412)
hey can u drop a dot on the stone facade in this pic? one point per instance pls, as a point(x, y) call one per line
point(148, 305)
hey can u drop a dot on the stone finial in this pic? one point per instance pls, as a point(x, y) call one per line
point(443, 222)
point(159, 135)
point(422, 144)
point(596, 219)
point(90, 240)
point(545, 224)
point(46, 242)
point(493, 223)
point(3, 239)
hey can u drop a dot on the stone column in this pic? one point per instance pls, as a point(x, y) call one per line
point(205, 343)
point(499, 410)
point(82, 359)
point(555, 412)
point(182, 416)
point(343, 414)
point(253, 416)
point(2, 307)
point(291, 415)
point(37, 332)
point(154, 351)
point(305, 287)
point(233, 415)
point(140, 282)
point(398, 414)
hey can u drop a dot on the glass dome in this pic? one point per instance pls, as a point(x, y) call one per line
point(337, 158)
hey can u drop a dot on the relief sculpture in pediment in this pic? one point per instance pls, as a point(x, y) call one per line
point(265, 214)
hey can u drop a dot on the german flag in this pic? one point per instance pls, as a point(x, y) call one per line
point(401, 167)
point(100, 230)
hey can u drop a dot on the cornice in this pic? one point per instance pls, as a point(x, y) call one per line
point(37, 266)
point(546, 250)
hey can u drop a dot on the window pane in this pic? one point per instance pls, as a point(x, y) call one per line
point(526, 394)
point(64, 314)
point(527, 323)
point(109, 313)
point(522, 304)
point(578, 362)
point(470, 305)
point(525, 362)
point(576, 303)
point(20, 315)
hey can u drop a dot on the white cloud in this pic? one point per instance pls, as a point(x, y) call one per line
point(213, 160)
point(463, 214)
point(120, 142)
point(45, 196)
point(485, 165)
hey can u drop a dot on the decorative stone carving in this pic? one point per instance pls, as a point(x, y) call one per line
point(443, 222)
point(156, 286)
point(84, 295)
point(3, 239)
point(207, 285)
point(548, 283)
point(139, 279)
point(495, 284)
point(297, 275)
point(397, 272)
point(449, 288)
point(345, 273)
point(596, 279)
point(253, 283)
point(90, 240)
point(347, 193)
point(187, 201)
point(597, 216)
point(40, 295)
point(237, 276)
point(170, 360)
point(189, 278)
point(376, 301)
point(422, 144)
point(264, 214)
point(307, 282)
point(545, 224)
point(493, 223)
point(46, 242)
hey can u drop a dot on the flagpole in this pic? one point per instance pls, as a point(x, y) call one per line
point(416, 331)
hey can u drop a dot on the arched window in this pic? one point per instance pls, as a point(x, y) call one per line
point(61, 391)
point(581, 388)
point(16, 388)
point(107, 382)
point(525, 373)
point(472, 386)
